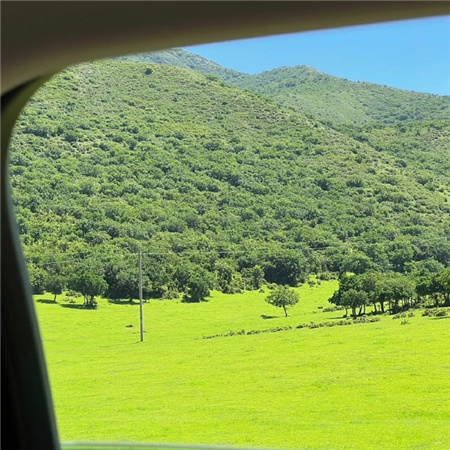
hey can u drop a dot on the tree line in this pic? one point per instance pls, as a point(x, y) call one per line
point(384, 291)
point(393, 292)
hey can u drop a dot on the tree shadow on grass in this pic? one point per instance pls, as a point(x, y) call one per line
point(263, 316)
point(47, 301)
point(187, 299)
point(440, 318)
point(74, 306)
point(122, 302)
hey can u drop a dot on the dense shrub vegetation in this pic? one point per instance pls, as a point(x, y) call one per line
point(227, 189)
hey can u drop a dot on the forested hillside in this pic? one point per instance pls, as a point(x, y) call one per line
point(221, 187)
point(325, 97)
point(336, 100)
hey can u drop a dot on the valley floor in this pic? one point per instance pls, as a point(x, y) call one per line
point(381, 385)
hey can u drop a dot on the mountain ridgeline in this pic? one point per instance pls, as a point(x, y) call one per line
point(224, 180)
point(325, 97)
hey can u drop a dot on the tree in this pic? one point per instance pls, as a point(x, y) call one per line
point(283, 297)
point(89, 285)
point(356, 262)
point(443, 284)
point(198, 286)
point(198, 289)
point(395, 288)
point(224, 273)
point(284, 267)
point(253, 277)
point(353, 299)
point(351, 293)
point(428, 287)
point(401, 253)
point(37, 279)
point(370, 282)
point(55, 284)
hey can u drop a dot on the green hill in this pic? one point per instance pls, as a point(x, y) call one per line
point(186, 60)
point(337, 100)
point(325, 97)
point(113, 156)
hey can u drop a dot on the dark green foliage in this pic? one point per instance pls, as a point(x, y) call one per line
point(395, 289)
point(198, 286)
point(285, 267)
point(55, 284)
point(443, 285)
point(356, 262)
point(253, 277)
point(435, 286)
point(436, 312)
point(353, 299)
point(89, 285)
point(37, 279)
point(399, 291)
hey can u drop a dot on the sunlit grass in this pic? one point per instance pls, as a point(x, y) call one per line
point(365, 386)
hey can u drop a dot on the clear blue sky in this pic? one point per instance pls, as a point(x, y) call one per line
point(412, 55)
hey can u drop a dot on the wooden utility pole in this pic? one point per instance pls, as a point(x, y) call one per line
point(140, 296)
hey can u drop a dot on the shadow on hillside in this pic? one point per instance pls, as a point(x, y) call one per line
point(440, 318)
point(263, 316)
point(47, 301)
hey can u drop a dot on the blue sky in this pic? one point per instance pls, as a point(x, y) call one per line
point(412, 55)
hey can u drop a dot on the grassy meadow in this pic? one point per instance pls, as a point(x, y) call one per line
point(382, 385)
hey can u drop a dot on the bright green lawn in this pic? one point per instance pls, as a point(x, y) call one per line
point(379, 385)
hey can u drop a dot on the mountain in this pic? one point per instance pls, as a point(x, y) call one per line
point(113, 156)
point(340, 101)
point(186, 60)
point(325, 97)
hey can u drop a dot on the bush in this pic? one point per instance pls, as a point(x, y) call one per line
point(333, 309)
point(326, 276)
point(344, 322)
point(170, 294)
point(366, 319)
point(399, 316)
point(435, 312)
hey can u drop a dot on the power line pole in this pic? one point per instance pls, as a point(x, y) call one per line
point(140, 296)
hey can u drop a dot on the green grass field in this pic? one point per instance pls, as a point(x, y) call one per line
point(382, 385)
